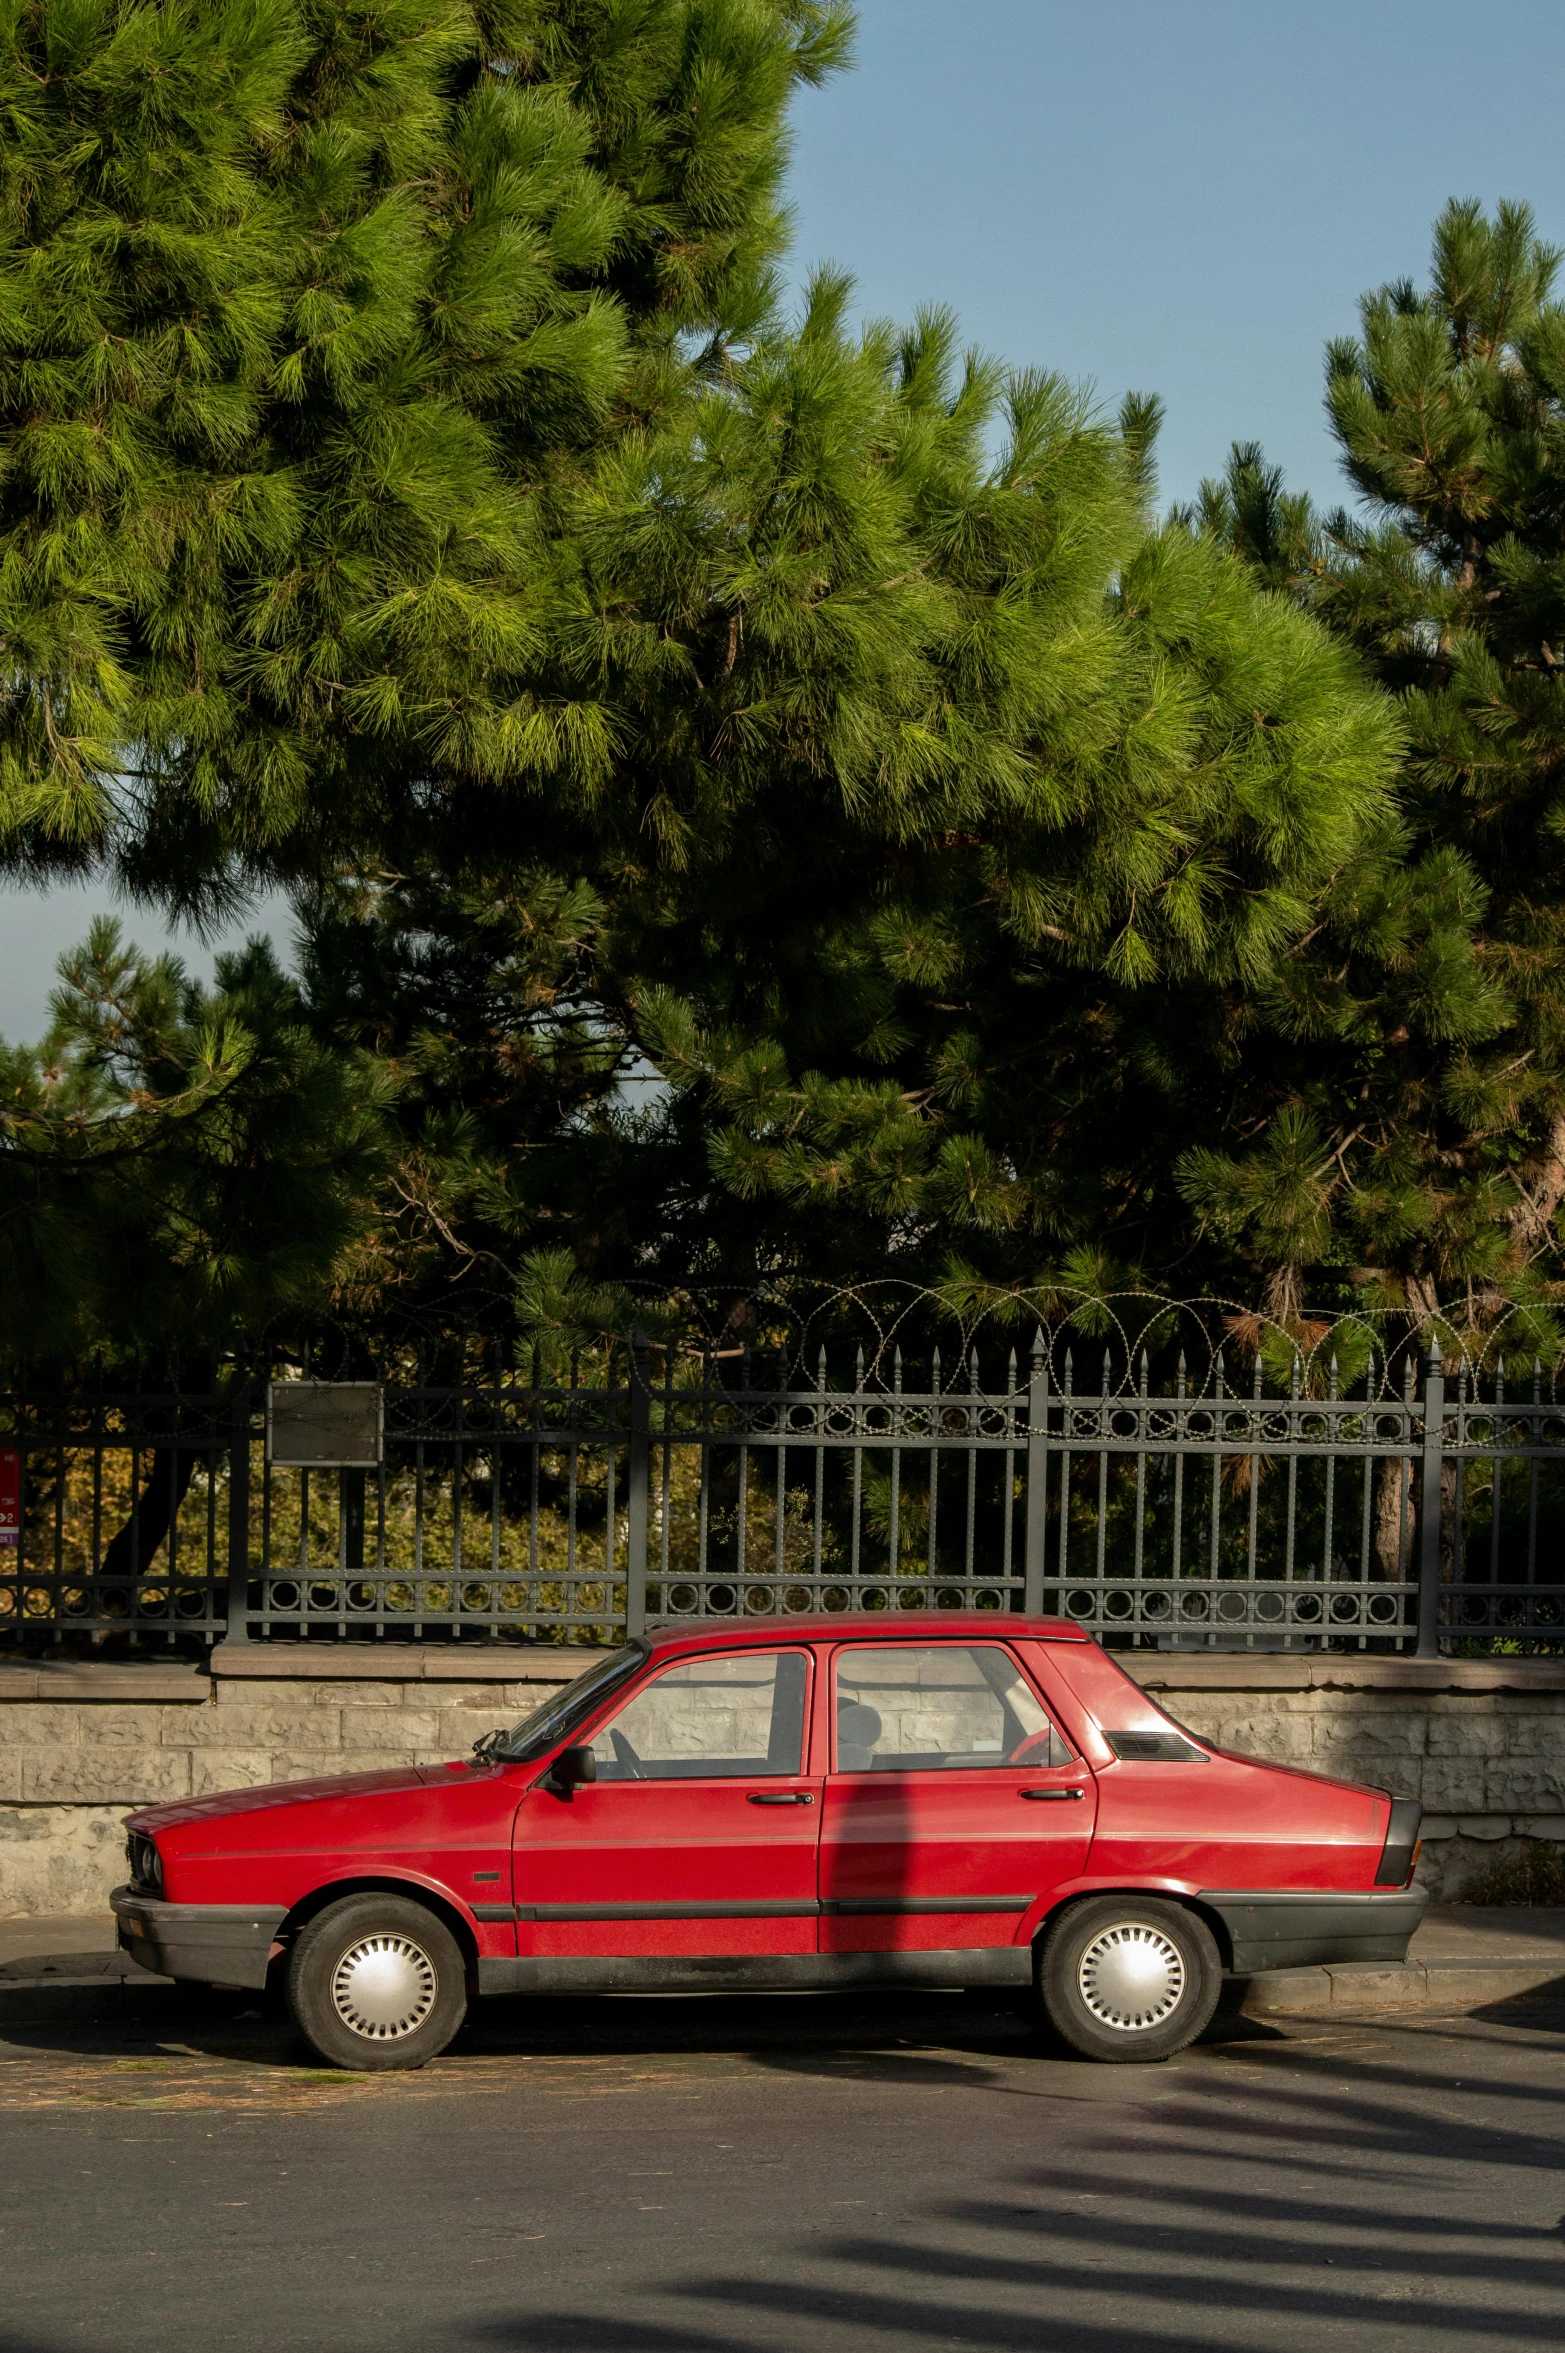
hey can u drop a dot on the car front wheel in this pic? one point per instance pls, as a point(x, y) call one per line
point(1128, 1977)
point(376, 1982)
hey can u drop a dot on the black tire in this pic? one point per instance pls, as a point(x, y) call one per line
point(1126, 1977)
point(376, 1982)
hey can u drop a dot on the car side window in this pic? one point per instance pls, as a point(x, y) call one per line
point(903, 1709)
point(734, 1718)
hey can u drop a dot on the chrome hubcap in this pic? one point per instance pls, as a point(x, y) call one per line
point(1131, 1977)
point(384, 1988)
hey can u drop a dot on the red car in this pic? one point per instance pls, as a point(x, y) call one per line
point(830, 1802)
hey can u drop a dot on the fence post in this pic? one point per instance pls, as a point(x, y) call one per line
point(1429, 1506)
point(636, 1501)
point(239, 1512)
point(1037, 1480)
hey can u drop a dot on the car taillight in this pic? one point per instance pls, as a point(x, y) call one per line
point(1400, 1852)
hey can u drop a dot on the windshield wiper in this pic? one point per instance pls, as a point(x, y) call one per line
point(487, 1748)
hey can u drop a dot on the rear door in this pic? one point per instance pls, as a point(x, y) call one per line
point(699, 1835)
point(953, 1801)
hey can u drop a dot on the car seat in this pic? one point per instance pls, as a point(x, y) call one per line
point(858, 1729)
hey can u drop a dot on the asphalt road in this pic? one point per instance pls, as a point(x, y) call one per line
point(675, 2176)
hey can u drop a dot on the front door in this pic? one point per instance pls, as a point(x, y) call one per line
point(699, 1835)
point(953, 1804)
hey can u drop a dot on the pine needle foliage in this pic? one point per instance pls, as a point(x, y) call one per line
point(962, 797)
point(1411, 1130)
point(760, 792)
point(300, 306)
point(179, 1166)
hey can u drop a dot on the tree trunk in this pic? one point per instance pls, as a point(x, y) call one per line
point(1393, 1525)
point(1533, 1215)
point(130, 1550)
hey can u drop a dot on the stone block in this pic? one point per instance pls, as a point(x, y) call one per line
point(458, 1728)
point(1450, 1785)
point(390, 1729)
point(127, 1726)
point(371, 1695)
point(63, 1859)
point(216, 1769)
point(46, 1726)
point(331, 1765)
point(1467, 1730)
point(277, 1724)
point(1355, 1743)
point(375, 1760)
point(10, 1776)
point(189, 1727)
point(283, 1691)
point(1534, 1733)
point(1521, 1786)
point(104, 1776)
point(1281, 1739)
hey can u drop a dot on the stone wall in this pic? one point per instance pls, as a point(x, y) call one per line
point(81, 1745)
point(1482, 1742)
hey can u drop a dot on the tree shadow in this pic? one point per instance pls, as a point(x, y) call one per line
point(1294, 2206)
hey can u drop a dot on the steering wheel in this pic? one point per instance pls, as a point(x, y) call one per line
point(1034, 1750)
point(625, 1755)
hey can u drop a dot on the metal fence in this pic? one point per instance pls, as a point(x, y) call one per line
point(1408, 1512)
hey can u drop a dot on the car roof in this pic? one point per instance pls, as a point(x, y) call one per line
point(886, 1625)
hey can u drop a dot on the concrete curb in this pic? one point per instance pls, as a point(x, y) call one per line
point(101, 2001)
point(1405, 1985)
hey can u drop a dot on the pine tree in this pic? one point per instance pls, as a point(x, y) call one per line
point(963, 799)
point(412, 494)
point(1410, 1133)
point(302, 305)
point(180, 1167)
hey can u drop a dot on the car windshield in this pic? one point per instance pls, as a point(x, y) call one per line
point(550, 1723)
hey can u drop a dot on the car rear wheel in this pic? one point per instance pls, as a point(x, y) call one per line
point(1128, 1977)
point(376, 1982)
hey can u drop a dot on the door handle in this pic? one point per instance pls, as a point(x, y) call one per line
point(780, 1797)
point(1055, 1794)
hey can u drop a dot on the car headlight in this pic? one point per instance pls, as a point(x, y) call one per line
point(146, 1864)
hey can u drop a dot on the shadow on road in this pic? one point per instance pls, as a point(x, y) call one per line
point(797, 2033)
point(1206, 2221)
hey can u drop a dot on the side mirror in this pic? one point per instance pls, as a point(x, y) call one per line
point(571, 1768)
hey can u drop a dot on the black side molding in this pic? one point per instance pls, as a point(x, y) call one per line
point(1396, 1856)
point(581, 1973)
point(1271, 1928)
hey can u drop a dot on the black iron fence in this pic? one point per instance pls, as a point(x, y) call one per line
point(1404, 1511)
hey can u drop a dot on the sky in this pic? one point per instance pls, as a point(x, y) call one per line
point(1184, 197)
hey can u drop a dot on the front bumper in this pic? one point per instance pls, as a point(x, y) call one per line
point(1273, 1930)
point(216, 1944)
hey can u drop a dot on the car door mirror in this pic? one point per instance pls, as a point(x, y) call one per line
point(571, 1768)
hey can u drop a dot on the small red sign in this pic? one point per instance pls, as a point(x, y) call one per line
point(10, 1496)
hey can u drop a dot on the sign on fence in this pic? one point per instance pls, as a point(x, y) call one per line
point(10, 1497)
point(324, 1425)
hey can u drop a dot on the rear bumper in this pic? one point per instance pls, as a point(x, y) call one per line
point(216, 1944)
point(1272, 1930)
